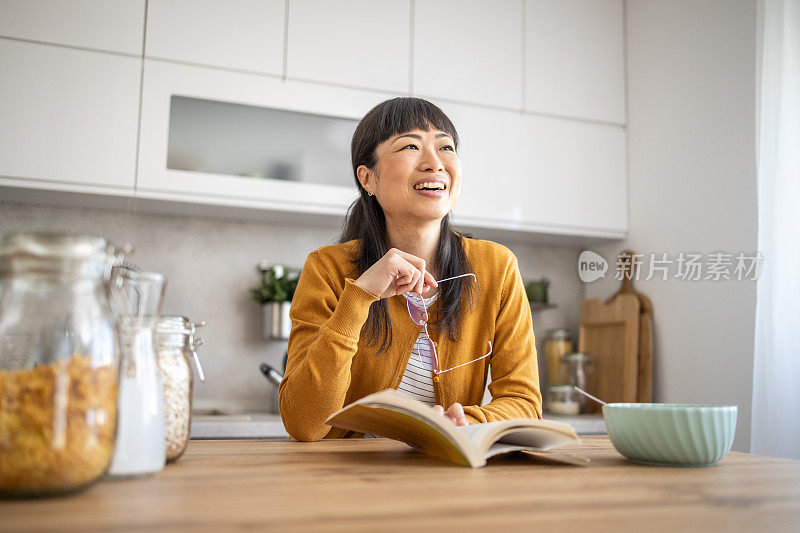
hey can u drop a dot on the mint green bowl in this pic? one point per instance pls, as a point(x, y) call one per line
point(670, 434)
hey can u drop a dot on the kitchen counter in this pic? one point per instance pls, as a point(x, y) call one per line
point(245, 426)
point(270, 426)
point(372, 484)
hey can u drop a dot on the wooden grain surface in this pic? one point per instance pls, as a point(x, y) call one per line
point(644, 386)
point(610, 334)
point(630, 266)
point(379, 484)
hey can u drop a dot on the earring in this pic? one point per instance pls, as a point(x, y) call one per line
point(370, 193)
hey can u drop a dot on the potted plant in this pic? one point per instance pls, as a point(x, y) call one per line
point(537, 290)
point(274, 293)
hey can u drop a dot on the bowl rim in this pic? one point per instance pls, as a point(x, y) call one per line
point(669, 406)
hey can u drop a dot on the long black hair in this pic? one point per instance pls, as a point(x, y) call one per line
point(365, 220)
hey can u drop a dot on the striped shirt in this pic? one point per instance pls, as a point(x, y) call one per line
point(417, 382)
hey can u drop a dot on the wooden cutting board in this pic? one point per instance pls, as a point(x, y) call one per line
point(610, 334)
point(644, 393)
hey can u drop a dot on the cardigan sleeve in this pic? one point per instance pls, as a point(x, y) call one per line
point(322, 343)
point(515, 375)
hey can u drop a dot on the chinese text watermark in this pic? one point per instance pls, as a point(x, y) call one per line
point(685, 266)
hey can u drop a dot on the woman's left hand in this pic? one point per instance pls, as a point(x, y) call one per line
point(455, 413)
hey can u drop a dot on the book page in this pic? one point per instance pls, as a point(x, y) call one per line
point(391, 414)
point(531, 433)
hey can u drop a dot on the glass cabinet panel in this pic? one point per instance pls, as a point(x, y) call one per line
point(259, 142)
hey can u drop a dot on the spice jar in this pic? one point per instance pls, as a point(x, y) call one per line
point(563, 400)
point(176, 344)
point(580, 367)
point(59, 363)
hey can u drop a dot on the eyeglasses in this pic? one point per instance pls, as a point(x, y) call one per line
point(419, 314)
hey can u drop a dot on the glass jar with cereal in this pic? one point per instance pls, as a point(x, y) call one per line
point(59, 363)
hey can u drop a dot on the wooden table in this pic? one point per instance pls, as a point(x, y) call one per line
point(378, 484)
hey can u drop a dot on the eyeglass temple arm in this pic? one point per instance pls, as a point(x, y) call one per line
point(460, 276)
point(468, 362)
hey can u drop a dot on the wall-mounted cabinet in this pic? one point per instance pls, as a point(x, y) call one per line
point(537, 173)
point(113, 25)
point(363, 43)
point(538, 85)
point(574, 59)
point(469, 50)
point(68, 115)
point(237, 34)
point(297, 182)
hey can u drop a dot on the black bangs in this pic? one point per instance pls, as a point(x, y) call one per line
point(407, 113)
point(392, 117)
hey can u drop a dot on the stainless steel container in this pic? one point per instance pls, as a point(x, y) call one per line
point(176, 345)
point(277, 324)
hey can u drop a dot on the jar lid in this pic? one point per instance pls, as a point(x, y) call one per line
point(561, 388)
point(174, 330)
point(577, 357)
point(175, 324)
point(57, 253)
point(558, 334)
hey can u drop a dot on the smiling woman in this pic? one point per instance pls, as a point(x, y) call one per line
point(353, 330)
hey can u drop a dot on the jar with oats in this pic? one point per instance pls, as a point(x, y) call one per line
point(59, 363)
point(176, 346)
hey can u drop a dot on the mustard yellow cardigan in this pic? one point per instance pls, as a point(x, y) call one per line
point(330, 366)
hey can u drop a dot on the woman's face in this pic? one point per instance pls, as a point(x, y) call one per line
point(417, 175)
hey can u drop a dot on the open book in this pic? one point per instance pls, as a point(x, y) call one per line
point(391, 414)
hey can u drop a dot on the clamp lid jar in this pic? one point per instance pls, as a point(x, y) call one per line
point(59, 362)
point(176, 345)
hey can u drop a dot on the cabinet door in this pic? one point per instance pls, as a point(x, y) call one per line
point(362, 43)
point(238, 34)
point(114, 25)
point(574, 175)
point(68, 115)
point(164, 80)
point(469, 50)
point(574, 62)
point(540, 174)
point(489, 147)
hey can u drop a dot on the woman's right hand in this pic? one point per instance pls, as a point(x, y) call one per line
point(397, 272)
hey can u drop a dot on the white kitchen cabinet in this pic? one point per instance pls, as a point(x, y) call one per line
point(362, 43)
point(68, 115)
point(237, 34)
point(521, 172)
point(534, 173)
point(164, 80)
point(113, 25)
point(574, 59)
point(469, 50)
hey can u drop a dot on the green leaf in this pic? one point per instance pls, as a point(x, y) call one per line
point(277, 284)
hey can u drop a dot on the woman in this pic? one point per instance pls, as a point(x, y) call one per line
point(357, 325)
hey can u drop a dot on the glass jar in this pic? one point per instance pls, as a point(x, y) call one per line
point(59, 363)
point(140, 446)
point(563, 400)
point(557, 344)
point(176, 344)
point(579, 366)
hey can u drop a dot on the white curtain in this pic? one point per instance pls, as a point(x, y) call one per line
point(776, 372)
